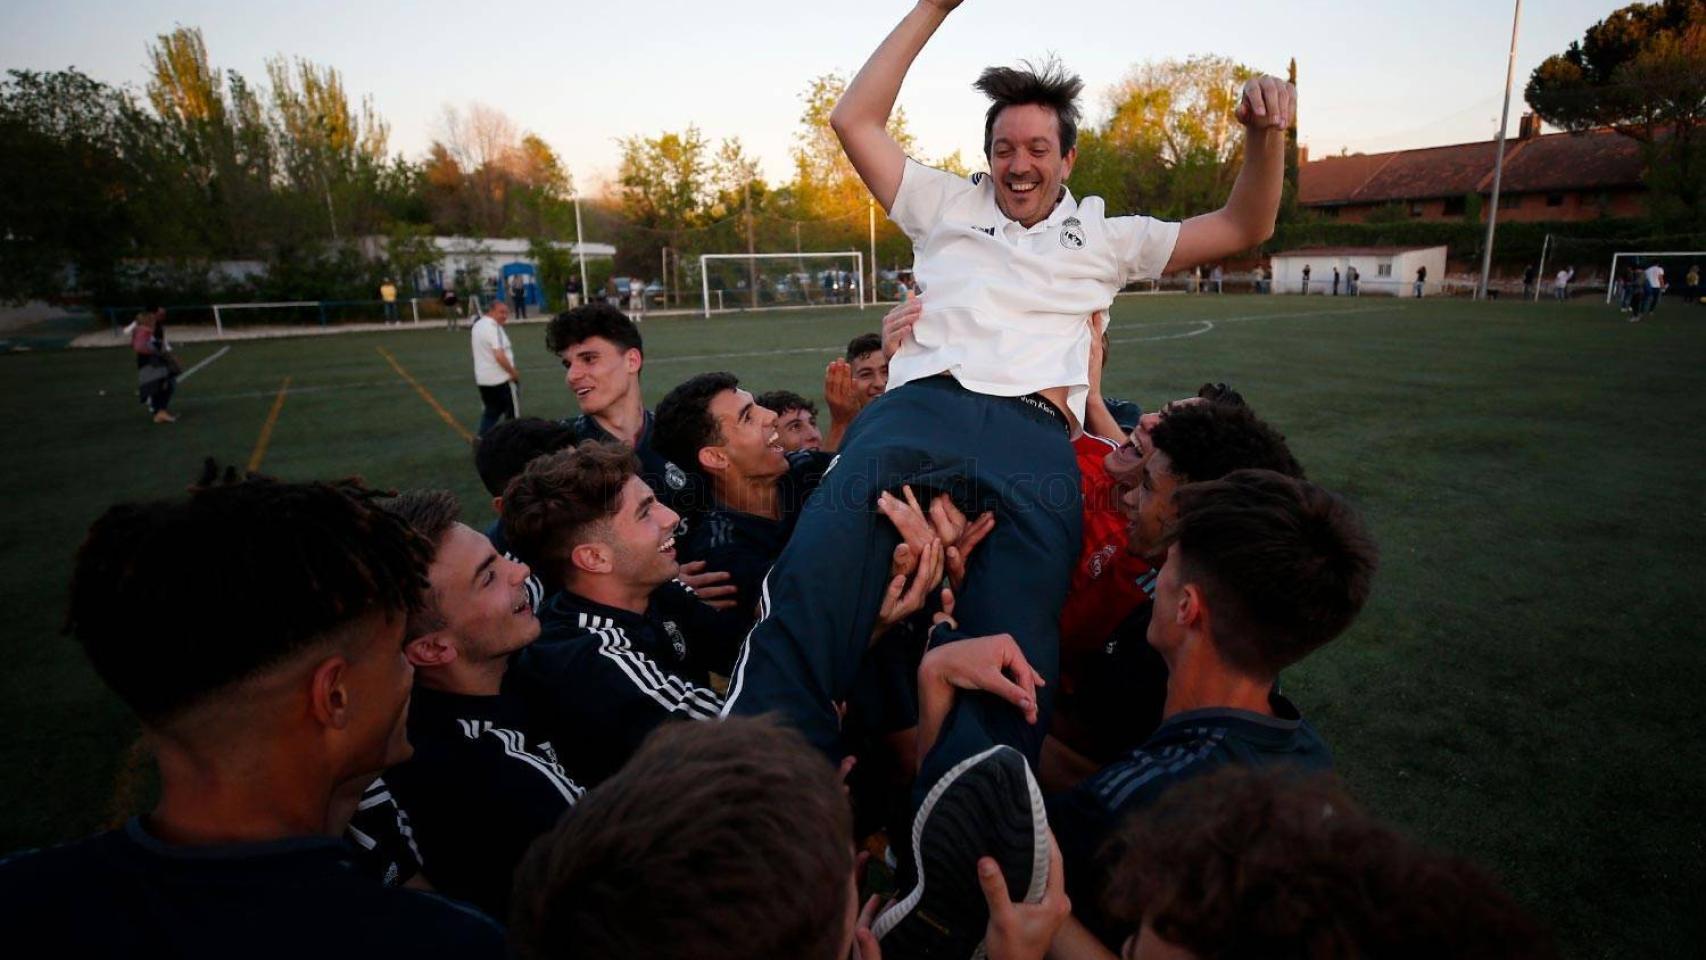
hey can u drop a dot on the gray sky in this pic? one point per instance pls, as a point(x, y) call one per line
point(1374, 74)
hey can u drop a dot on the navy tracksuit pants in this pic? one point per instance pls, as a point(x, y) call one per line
point(819, 602)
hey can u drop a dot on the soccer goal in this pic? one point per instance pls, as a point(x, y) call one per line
point(283, 313)
point(1675, 263)
point(758, 281)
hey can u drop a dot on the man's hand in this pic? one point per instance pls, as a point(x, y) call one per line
point(864, 941)
point(1023, 931)
point(843, 398)
point(710, 586)
point(1267, 104)
point(943, 521)
point(992, 664)
point(902, 599)
point(897, 325)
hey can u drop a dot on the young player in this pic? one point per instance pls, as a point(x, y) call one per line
point(602, 357)
point(870, 366)
point(276, 682)
point(622, 647)
point(796, 420)
point(982, 399)
point(482, 783)
point(756, 488)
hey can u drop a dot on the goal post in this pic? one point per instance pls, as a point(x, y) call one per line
point(295, 310)
point(836, 277)
point(1621, 257)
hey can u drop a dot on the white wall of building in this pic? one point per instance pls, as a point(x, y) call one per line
point(1383, 273)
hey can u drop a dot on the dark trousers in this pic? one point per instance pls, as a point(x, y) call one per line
point(819, 602)
point(500, 403)
point(155, 384)
point(519, 303)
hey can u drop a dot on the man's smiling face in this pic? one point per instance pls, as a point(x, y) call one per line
point(1026, 162)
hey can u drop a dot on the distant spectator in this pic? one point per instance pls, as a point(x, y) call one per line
point(1561, 285)
point(1691, 289)
point(388, 294)
point(1215, 276)
point(1336, 282)
point(1421, 279)
point(1529, 274)
point(1653, 286)
point(572, 298)
point(452, 307)
point(1306, 279)
point(518, 295)
point(494, 368)
point(1352, 278)
point(156, 366)
point(636, 297)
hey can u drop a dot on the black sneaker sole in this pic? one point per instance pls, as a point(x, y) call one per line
point(987, 805)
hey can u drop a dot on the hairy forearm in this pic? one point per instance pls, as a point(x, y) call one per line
point(871, 96)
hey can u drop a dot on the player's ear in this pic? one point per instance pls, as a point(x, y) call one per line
point(713, 458)
point(592, 558)
point(1193, 608)
point(432, 650)
point(498, 506)
point(328, 693)
point(1067, 162)
point(633, 359)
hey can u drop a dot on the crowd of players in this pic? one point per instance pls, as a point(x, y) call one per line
point(987, 665)
point(519, 712)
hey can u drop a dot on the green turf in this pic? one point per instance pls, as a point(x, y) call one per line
point(1520, 688)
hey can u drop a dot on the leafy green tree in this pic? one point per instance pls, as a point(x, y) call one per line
point(1642, 72)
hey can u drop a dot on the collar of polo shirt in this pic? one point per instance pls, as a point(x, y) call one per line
point(1065, 207)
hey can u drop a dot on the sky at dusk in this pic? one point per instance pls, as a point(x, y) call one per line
point(1373, 74)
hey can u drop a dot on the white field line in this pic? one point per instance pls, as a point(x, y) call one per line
point(222, 351)
point(1206, 326)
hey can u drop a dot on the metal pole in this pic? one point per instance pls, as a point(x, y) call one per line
point(1540, 274)
point(580, 248)
point(1499, 161)
point(664, 266)
point(871, 209)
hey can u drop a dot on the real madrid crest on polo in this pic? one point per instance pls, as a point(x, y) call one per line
point(674, 476)
point(678, 490)
point(1072, 234)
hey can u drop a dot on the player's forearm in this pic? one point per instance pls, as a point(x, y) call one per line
point(1254, 202)
point(1073, 942)
point(871, 96)
point(935, 698)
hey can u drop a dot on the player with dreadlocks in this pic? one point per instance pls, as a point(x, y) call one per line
point(256, 631)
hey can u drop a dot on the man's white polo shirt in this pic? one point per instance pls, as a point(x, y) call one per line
point(1006, 308)
point(488, 335)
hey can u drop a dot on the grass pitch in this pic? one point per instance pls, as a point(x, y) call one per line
point(1520, 689)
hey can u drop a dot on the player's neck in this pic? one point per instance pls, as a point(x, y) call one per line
point(1198, 679)
point(625, 418)
point(465, 677)
point(634, 598)
point(759, 496)
point(218, 803)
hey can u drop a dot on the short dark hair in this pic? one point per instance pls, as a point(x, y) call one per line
point(1271, 863)
point(739, 825)
point(560, 495)
point(158, 588)
point(1221, 393)
point(781, 402)
point(862, 344)
point(592, 320)
point(1284, 564)
point(683, 424)
point(1049, 86)
point(507, 448)
point(1206, 441)
point(430, 513)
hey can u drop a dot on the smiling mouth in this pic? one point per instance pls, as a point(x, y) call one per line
point(775, 442)
point(1025, 187)
point(581, 392)
point(521, 604)
point(668, 546)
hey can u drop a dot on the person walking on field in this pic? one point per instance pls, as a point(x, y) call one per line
point(494, 368)
point(156, 366)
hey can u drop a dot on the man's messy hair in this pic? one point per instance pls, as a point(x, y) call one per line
point(1049, 85)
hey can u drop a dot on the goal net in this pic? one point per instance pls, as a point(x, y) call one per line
point(759, 281)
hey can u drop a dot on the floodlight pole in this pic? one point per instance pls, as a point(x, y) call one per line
point(580, 248)
point(1499, 161)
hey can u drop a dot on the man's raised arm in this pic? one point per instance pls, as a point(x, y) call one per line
point(861, 117)
point(1265, 110)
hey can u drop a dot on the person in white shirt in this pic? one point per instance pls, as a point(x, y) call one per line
point(1561, 284)
point(1652, 287)
point(494, 367)
point(983, 399)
